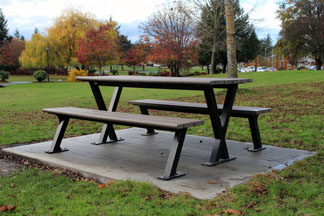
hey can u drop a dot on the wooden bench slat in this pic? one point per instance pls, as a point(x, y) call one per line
point(136, 120)
point(195, 107)
point(251, 113)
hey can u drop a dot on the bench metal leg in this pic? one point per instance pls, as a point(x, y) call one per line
point(255, 132)
point(56, 143)
point(107, 131)
point(220, 123)
point(150, 131)
point(170, 171)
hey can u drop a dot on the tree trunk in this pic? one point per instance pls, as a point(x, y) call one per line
point(100, 70)
point(318, 63)
point(230, 32)
point(212, 61)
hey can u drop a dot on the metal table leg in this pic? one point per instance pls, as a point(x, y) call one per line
point(219, 123)
point(108, 129)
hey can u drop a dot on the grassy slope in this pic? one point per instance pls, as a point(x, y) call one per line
point(296, 121)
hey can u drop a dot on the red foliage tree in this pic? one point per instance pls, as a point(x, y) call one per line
point(10, 52)
point(99, 46)
point(137, 54)
point(173, 34)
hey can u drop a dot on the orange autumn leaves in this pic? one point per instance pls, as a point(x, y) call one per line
point(6, 208)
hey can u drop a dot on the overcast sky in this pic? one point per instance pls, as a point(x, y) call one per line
point(26, 15)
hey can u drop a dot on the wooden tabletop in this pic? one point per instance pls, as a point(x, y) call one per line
point(164, 80)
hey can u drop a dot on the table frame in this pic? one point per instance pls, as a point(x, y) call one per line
point(219, 119)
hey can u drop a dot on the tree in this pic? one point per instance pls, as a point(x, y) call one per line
point(3, 29)
point(212, 28)
point(100, 46)
point(124, 46)
point(303, 23)
point(17, 34)
point(172, 32)
point(34, 55)
point(137, 54)
point(290, 50)
point(64, 35)
point(10, 52)
point(249, 47)
point(230, 35)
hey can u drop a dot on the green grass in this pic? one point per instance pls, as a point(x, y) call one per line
point(296, 122)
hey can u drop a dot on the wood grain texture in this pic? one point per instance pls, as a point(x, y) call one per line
point(127, 119)
point(196, 107)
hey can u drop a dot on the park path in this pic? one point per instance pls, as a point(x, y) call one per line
point(13, 83)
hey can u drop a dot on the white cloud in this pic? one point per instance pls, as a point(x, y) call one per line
point(262, 13)
point(41, 13)
point(26, 15)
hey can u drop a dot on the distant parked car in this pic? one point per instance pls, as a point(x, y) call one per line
point(250, 69)
point(312, 67)
point(271, 69)
point(261, 69)
point(242, 70)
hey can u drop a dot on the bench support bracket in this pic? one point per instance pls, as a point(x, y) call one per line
point(56, 143)
point(170, 171)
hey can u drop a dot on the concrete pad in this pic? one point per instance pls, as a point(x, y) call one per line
point(143, 158)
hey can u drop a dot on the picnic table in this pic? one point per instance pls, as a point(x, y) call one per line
point(219, 117)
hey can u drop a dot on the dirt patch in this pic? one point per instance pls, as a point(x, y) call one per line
point(7, 166)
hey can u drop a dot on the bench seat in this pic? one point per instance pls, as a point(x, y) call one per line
point(179, 125)
point(251, 113)
point(127, 119)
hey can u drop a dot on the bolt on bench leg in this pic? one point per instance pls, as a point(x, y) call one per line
point(170, 171)
point(255, 132)
point(56, 144)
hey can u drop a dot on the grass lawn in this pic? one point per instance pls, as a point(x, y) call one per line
point(296, 122)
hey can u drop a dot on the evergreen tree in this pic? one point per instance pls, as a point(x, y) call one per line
point(208, 43)
point(17, 34)
point(3, 29)
point(249, 48)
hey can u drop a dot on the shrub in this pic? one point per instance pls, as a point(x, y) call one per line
point(74, 73)
point(40, 75)
point(165, 73)
point(91, 72)
point(114, 72)
point(4, 75)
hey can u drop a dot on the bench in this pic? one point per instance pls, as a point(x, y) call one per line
point(179, 125)
point(252, 113)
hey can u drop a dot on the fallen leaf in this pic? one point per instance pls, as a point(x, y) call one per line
point(232, 211)
point(101, 186)
point(12, 185)
point(251, 204)
point(212, 215)
point(5, 208)
point(213, 182)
